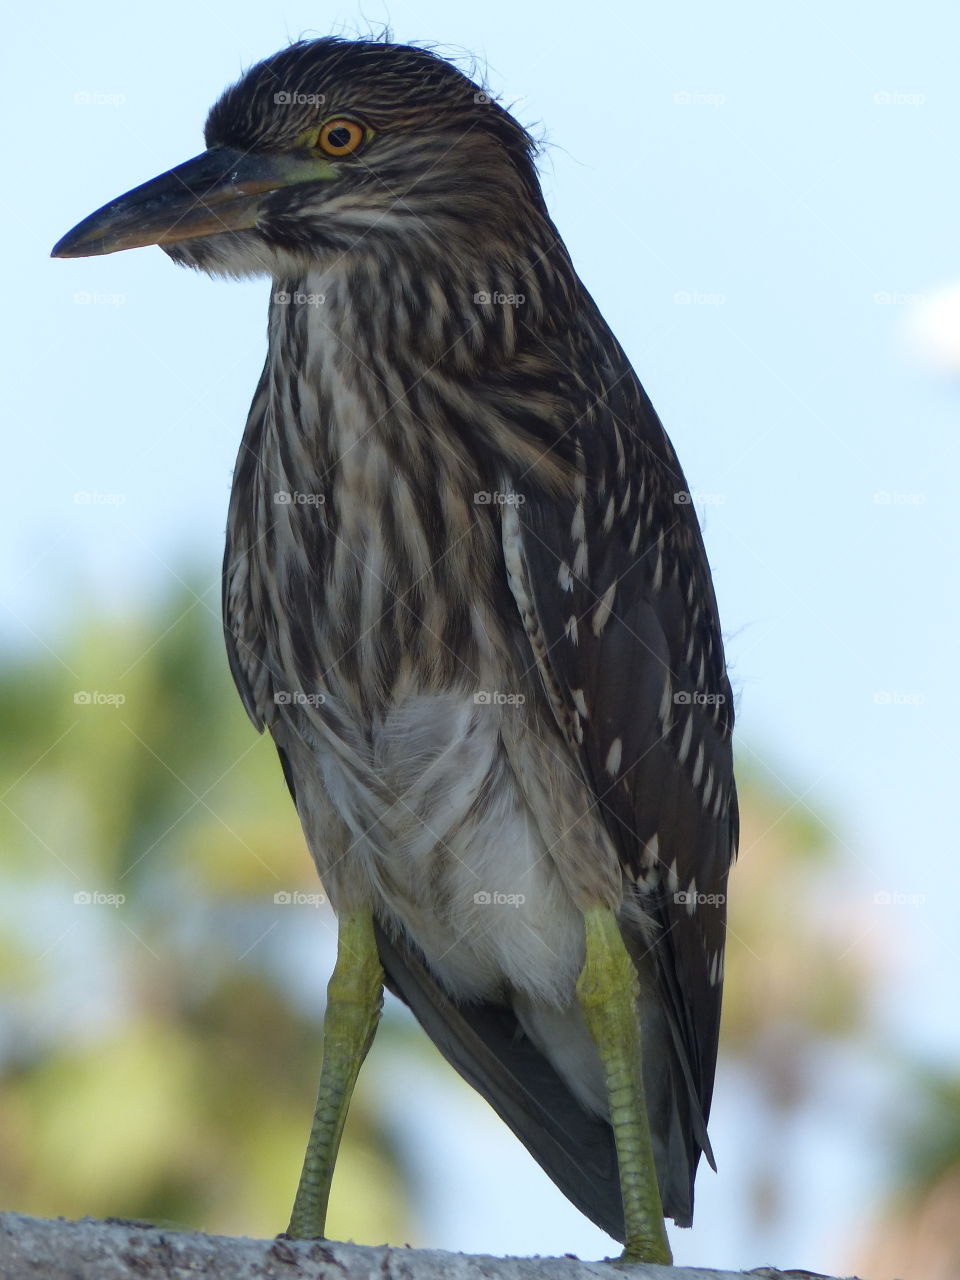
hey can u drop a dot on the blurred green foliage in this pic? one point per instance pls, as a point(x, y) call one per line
point(159, 1038)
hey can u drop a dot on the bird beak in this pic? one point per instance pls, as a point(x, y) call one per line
point(217, 191)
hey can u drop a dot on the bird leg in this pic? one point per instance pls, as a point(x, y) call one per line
point(607, 990)
point(354, 1002)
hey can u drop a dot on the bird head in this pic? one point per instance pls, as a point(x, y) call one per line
point(329, 147)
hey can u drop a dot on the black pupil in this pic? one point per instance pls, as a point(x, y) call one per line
point(339, 137)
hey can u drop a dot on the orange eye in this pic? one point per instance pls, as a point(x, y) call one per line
point(340, 136)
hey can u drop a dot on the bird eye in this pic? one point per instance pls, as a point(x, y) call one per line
point(340, 136)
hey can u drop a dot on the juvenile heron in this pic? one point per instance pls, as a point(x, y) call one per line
point(465, 590)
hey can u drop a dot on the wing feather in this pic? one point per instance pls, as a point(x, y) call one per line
point(615, 593)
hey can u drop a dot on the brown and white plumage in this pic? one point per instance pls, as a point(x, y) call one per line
point(466, 592)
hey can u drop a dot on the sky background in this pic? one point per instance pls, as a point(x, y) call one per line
point(764, 204)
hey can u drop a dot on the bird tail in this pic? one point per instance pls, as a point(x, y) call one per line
point(486, 1045)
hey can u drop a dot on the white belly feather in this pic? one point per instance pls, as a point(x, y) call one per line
point(463, 869)
point(458, 859)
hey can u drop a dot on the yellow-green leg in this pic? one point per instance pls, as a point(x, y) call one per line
point(607, 990)
point(354, 1001)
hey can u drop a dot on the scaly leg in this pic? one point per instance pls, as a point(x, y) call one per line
point(354, 1001)
point(607, 990)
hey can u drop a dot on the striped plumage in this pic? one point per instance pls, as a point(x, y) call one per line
point(466, 592)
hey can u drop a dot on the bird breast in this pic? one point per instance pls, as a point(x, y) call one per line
point(385, 605)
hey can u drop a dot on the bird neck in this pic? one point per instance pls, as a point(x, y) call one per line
point(421, 354)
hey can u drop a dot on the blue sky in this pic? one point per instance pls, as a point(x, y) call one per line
point(758, 199)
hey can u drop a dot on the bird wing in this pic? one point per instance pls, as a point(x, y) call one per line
point(243, 635)
point(615, 593)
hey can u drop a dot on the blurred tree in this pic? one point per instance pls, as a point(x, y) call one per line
point(158, 1055)
point(916, 1234)
point(793, 983)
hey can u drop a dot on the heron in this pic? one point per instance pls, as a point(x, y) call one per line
point(466, 592)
